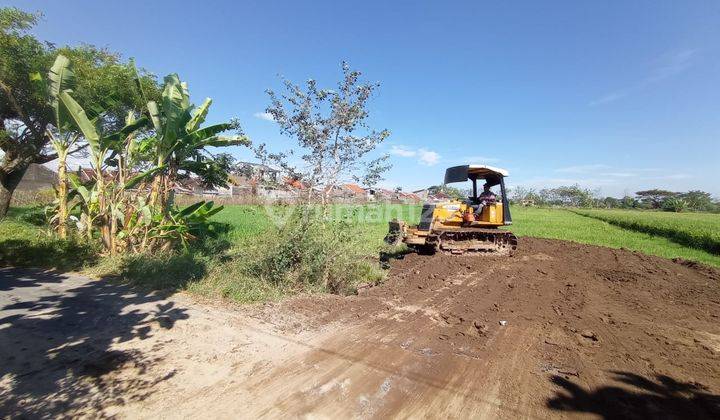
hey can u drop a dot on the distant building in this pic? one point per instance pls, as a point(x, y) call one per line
point(38, 177)
point(249, 171)
point(358, 193)
point(428, 195)
point(422, 194)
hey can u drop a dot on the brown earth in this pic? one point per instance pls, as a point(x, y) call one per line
point(558, 330)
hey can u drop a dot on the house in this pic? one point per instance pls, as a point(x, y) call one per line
point(408, 198)
point(438, 197)
point(89, 174)
point(431, 195)
point(355, 189)
point(359, 193)
point(422, 194)
point(38, 177)
point(257, 172)
point(382, 194)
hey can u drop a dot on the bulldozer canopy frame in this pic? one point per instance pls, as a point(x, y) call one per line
point(493, 176)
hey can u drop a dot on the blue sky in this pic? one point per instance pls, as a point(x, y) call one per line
point(616, 95)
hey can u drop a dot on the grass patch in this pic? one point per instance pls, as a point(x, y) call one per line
point(695, 230)
point(229, 280)
point(24, 244)
point(567, 225)
point(165, 271)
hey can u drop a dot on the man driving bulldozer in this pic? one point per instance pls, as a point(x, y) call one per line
point(487, 196)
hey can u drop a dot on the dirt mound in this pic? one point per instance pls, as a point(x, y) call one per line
point(558, 320)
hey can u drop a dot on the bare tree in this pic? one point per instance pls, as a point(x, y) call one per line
point(331, 130)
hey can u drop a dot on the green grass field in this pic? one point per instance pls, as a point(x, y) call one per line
point(543, 223)
point(696, 230)
point(567, 225)
point(22, 242)
point(253, 220)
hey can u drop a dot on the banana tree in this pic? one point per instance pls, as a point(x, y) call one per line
point(99, 145)
point(60, 78)
point(179, 138)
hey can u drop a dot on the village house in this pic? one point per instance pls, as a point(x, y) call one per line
point(38, 177)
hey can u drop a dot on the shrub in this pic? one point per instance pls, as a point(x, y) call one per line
point(36, 216)
point(675, 204)
point(313, 252)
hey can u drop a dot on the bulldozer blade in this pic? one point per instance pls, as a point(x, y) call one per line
point(396, 232)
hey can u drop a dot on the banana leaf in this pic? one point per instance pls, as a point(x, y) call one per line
point(137, 80)
point(203, 133)
point(190, 209)
point(172, 108)
point(198, 116)
point(134, 181)
point(77, 114)
point(221, 141)
point(61, 78)
point(154, 112)
point(124, 132)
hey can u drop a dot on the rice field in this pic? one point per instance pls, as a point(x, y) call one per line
point(695, 230)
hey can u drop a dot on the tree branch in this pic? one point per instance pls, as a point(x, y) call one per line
point(17, 108)
point(48, 158)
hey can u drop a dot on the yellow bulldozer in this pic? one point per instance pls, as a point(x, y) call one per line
point(462, 226)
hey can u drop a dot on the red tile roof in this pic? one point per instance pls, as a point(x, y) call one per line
point(355, 189)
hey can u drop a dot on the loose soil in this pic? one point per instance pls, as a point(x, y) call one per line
point(557, 330)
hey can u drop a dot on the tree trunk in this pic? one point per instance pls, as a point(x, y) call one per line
point(102, 204)
point(62, 195)
point(5, 196)
point(157, 185)
point(11, 173)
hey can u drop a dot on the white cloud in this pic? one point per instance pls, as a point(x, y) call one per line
point(583, 169)
point(664, 67)
point(424, 156)
point(402, 151)
point(611, 181)
point(428, 157)
point(619, 174)
point(550, 182)
point(480, 159)
point(264, 116)
point(609, 97)
point(607, 171)
point(668, 177)
point(670, 64)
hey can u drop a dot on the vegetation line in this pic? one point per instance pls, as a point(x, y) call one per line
point(702, 241)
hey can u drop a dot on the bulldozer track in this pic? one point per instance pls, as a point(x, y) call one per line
point(473, 240)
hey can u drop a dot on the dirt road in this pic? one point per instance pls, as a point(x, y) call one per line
point(558, 330)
